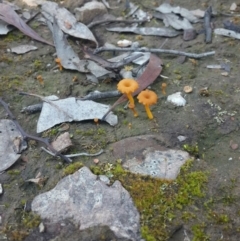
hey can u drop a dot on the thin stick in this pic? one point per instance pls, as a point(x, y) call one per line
point(93, 24)
point(26, 136)
point(101, 95)
point(207, 25)
point(75, 155)
point(166, 51)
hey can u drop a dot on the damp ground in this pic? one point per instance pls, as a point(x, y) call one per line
point(209, 121)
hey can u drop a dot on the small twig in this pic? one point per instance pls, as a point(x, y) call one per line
point(166, 51)
point(164, 43)
point(93, 24)
point(26, 136)
point(100, 95)
point(75, 155)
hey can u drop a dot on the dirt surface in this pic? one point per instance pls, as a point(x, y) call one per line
point(209, 120)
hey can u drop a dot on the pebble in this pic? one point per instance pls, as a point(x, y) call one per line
point(176, 99)
point(182, 138)
point(1, 189)
point(189, 34)
point(41, 227)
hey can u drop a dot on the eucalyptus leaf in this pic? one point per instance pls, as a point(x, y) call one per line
point(71, 109)
point(66, 21)
point(164, 32)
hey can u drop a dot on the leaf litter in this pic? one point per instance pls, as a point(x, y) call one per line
point(66, 21)
point(8, 15)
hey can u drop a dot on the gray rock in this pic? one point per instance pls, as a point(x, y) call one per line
point(160, 164)
point(89, 202)
point(89, 11)
point(146, 155)
point(72, 4)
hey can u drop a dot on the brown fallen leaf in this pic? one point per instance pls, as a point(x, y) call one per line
point(8, 15)
point(151, 72)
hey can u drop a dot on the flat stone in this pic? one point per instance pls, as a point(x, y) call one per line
point(189, 34)
point(89, 202)
point(145, 155)
point(89, 11)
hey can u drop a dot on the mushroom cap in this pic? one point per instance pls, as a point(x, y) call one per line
point(127, 86)
point(147, 97)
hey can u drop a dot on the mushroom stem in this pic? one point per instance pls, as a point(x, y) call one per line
point(132, 107)
point(131, 100)
point(149, 113)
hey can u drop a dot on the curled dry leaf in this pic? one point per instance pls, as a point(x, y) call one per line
point(39, 180)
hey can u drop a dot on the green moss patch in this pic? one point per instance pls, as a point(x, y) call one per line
point(159, 200)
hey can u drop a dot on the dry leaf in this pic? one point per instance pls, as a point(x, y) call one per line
point(71, 109)
point(69, 59)
point(22, 49)
point(67, 21)
point(39, 180)
point(164, 32)
point(8, 15)
point(167, 8)
point(171, 19)
point(8, 133)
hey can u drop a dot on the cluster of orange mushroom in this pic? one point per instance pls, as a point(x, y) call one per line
point(145, 97)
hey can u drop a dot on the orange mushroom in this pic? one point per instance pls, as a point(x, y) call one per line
point(147, 98)
point(40, 80)
point(163, 87)
point(58, 61)
point(127, 87)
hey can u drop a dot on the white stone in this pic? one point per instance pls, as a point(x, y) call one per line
point(124, 43)
point(176, 99)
